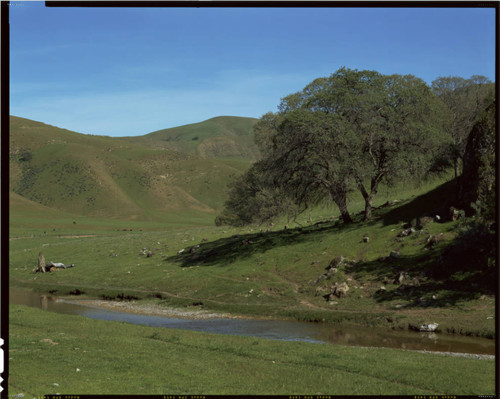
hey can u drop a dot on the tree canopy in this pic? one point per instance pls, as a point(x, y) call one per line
point(349, 131)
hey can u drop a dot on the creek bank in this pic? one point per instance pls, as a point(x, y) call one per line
point(152, 309)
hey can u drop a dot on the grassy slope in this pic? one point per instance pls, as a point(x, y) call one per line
point(85, 356)
point(111, 178)
point(221, 137)
point(280, 266)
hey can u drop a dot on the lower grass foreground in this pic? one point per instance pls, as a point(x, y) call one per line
point(51, 353)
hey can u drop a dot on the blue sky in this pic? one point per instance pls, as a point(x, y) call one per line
point(131, 71)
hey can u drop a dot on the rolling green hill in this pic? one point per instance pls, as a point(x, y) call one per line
point(112, 177)
point(219, 137)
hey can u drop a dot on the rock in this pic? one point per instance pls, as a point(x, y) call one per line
point(181, 251)
point(394, 255)
point(336, 262)
point(400, 278)
point(407, 226)
point(433, 240)
point(437, 218)
point(429, 327)
point(41, 263)
point(333, 270)
point(366, 239)
point(340, 290)
point(150, 254)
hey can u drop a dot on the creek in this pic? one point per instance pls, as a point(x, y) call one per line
point(270, 329)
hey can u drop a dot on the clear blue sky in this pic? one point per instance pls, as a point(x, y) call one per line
point(131, 71)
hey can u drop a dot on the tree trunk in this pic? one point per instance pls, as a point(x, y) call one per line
point(368, 206)
point(457, 168)
point(345, 214)
point(369, 197)
point(457, 178)
point(341, 201)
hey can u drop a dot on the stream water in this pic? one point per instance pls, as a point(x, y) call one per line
point(271, 329)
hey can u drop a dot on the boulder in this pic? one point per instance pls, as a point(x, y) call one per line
point(400, 278)
point(429, 327)
point(336, 262)
point(433, 240)
point(340, 290)
point(455, 213)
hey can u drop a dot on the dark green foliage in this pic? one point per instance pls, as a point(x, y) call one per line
point(465, 100)
point(344, 131)
point(477, 184)
point(253, 198)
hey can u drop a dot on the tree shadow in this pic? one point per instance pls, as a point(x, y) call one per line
point(437, 278)
point(227, 250)
point(435, 202)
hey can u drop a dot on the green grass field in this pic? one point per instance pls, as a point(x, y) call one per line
point(52, 353)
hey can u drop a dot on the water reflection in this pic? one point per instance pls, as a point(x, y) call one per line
point(271, 329)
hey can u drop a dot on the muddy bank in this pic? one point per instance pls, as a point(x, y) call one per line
point(151, 309)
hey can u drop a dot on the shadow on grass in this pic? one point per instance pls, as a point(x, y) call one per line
point(227, 250)
point(438, 278)
point(434, 202)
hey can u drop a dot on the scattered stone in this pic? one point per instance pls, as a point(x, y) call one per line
point(336, 262)
point(333, 270)
point(340, 290)
point(454, 214)
point(400, 278)
point(433, 240)
point(407, 226)
point(394, 255)
point(431, 327)
point(181, 251)
point(333, 302)
point(437, 218)
point(434, 297)
point(366, 239)
point(150, 254)
point(489, 317)
point(482, 297)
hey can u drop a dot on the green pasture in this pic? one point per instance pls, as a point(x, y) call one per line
point(51, 353)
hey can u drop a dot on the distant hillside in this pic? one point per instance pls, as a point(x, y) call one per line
point(111, 177)
point(220, 137)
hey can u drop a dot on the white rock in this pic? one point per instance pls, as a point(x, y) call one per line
point(429, 327)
